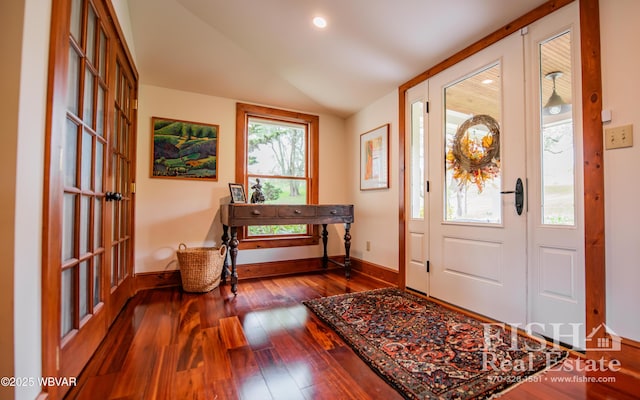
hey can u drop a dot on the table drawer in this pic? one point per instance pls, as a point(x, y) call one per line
point(296, 212)
point(254, 212)
point(337, 211)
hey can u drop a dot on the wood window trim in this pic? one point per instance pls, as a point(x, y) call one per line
point(243, 113)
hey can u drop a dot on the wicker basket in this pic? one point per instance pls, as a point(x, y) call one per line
point(200, 267)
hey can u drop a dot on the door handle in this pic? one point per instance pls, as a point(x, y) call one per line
point(519, 192)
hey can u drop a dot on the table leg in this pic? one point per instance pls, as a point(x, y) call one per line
point(233, 250)
point(325, 257)
point(225, 265)
point(347, 247)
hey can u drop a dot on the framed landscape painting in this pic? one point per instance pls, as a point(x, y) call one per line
point(184, 150)
point(374, 159)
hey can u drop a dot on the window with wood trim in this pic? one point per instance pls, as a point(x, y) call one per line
point(277, 152)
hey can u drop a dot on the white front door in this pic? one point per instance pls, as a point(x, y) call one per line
point(508, 113)
point(476, 151)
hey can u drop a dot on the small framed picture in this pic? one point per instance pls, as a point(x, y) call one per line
point(237, 193)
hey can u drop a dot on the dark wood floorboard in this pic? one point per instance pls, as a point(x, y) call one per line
point(261, 344)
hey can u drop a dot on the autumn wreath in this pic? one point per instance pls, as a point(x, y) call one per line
point(475, 160)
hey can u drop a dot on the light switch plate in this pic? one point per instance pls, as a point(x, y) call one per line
point(619, 136)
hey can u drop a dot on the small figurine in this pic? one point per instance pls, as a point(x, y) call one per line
point(257, 196)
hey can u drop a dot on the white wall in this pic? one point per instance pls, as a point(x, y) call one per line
point(376, 211)
point(121, 7)
point(23, 82)
point(621, 85)
point(171, 211)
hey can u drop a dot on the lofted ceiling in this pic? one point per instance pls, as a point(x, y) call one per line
point(268, 51)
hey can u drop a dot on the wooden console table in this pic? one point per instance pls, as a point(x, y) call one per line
point(240, 214)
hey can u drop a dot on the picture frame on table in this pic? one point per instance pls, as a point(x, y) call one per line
point(237, 193)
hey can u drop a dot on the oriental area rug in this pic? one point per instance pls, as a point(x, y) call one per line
point(428, 351)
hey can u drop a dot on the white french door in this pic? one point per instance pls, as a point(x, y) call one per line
point(502, 227)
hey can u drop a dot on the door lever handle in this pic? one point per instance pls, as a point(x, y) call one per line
point(519, 192)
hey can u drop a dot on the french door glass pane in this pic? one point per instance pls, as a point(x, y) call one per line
point(123, 261)
point(87, 160)
point(556, 139)
point(472, 148)
point(97, 271)
point(66, 301)
point(83, 295)
point(85, 223)
point(97, 224)
point(76, 20)
point(88, 97)
point(103, 55)
point(99, 166)
point(68, 224)
point(114, 265)
point(91, 36)
point(100, 112)
point(417, 160)
point(70, 147)
point(73, 81)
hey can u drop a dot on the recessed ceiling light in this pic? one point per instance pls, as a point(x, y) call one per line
point(320, 22)
point(487, 81)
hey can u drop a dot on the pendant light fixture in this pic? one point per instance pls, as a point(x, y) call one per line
point(555, 105)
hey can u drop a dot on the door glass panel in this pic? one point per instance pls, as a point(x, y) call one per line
point(97, 224)
point(70, 152)
point(73, 80)
point(68, 223)
point(87, 160)
point(556, 139)
point(97, 270)
point(85, 223)
point(123, 261)
point(103, 55)
point(76, 20)
point(88, 97)
point(100, 112)
point(99, 166)
point(417, 160)
point(91, 36)
point(116, 130)
point(83, 295)
point(114, 265)
point(123, 176)
point(472, 148)
point(114, 173)
point(66, 301)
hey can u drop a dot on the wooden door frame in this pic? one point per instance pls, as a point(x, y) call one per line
point(595, 271)
point(52, 197)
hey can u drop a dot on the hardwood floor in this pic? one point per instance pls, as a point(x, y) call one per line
point(262, 344)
